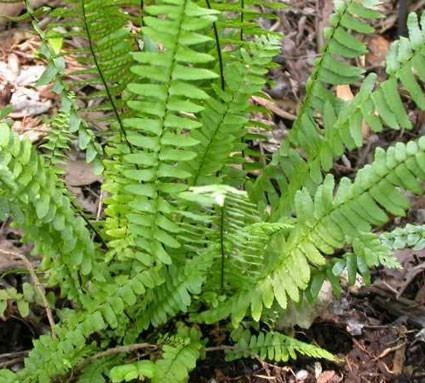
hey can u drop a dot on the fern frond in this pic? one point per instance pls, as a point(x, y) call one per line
point(239, 20)
point(276, 347)
point(41, 208)
point(350, 18)
point(179, 356)
point(22, 300)
point(224, 221)
point(103, 26)
point(103, 309)
point(62, 131)
point(327, 223)
point(343, 126)
point(226, 115)
point(175, 295)
point(58, 142)
point(409, 236)
point(129, 372)
point(150, 176)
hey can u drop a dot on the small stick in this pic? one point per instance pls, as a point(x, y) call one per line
point(37, 285)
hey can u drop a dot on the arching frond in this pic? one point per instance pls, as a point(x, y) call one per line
point(326, 223)
point(148, 177)
point(39, 206)
point(274, 346)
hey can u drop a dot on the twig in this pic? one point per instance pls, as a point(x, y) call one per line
point(14, 354)
point(271, 106)
point(219, 348)
point(99, 206)
point(11, 362)
point(389, 350)
point(37, 285)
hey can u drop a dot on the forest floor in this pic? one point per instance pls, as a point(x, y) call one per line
point(377, 331)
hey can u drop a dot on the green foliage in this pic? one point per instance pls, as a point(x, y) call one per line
point(410, 236)
point(151, 173)
point(274, 346)
point(43, 211)
point(188, 236)
point(21, 299)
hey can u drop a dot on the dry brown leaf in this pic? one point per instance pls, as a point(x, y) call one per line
point(343, 92)
point(26, 102)
point(329, 376)
point(80, 173)
point(31, 128)
point(378, 49)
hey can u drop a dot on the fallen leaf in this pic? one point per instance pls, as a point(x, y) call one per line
point(26, 102)
point(29, 75)
point(329, 376)
point(378, 49)
point(31, 128)
point(343, 92)
point(80, 173)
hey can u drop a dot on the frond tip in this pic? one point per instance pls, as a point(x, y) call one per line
point(276, 347)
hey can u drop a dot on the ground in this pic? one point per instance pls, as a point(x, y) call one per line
point(377, 331)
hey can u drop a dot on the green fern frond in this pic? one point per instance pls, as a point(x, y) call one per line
point(107, 56)
point(154, 173)
point(343, 126)
point(22, 300)
point(276, 347)
point(129, 372)
point(326, 223)
point(409, 236)
point(226, 115)
point(103, 309)
point(350, 17)
point(175, 295)
point(225, 222)
point(239, 20)
point(179, 356)
point(61, 132)
point(39, 206)
point(58, 142)
point(329, 69)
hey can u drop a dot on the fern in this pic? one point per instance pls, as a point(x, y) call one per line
point(225, 116)
point(179, 357)
point(41, 209)
point(275, 347)
point(22, 300)
point(344, 129)
point(181, 240)
point(174, 296)
point(67, 123)
point(327, 223)
point(103, 26)
point(410, 236)
point(159, 129)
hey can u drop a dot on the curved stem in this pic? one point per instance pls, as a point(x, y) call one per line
point(218, 47)
point(102, 77)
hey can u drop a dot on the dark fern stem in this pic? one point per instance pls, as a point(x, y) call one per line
point(219, 54)
point(402, 17)
point(102, 77)
point(242, 18)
